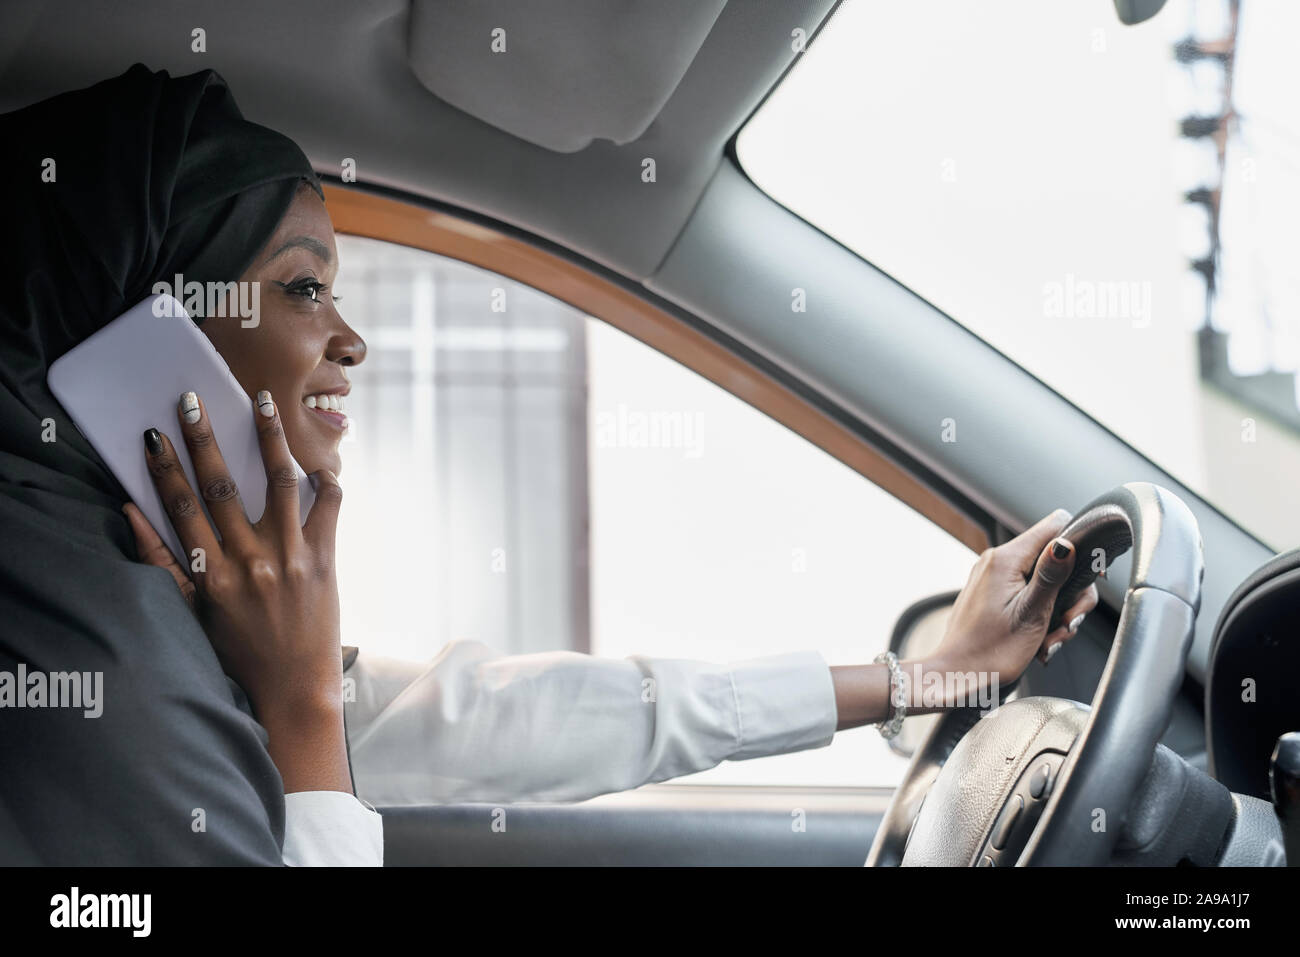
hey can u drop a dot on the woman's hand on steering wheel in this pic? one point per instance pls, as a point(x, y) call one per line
point(999, 621)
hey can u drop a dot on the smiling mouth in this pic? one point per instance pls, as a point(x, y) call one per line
point(329, 406)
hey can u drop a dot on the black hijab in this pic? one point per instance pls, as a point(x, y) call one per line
point(151, 175)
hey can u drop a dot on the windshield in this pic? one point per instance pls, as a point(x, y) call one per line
point(1107, 205)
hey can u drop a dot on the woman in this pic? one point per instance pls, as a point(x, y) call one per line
point(470, 725)
point(125, 183)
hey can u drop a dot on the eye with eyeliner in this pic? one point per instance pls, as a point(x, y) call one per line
point(307, 288)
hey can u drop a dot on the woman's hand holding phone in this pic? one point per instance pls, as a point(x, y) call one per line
point(266, 593)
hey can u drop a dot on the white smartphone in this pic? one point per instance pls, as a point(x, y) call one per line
point(128, 377)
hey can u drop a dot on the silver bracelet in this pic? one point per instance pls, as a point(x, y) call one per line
point(897, 696)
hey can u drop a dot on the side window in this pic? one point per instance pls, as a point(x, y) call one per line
point(531, 478)
point(464, 470)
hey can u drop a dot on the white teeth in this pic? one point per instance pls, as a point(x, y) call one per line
point(331, 403)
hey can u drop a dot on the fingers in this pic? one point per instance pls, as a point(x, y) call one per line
point(1034, 603)
point(153, 551)
point(1027, 546)
point(178, 499)
point(322, 520)
point(281, 477)
point(1072, 619)
point(148, 543)
point(215, 482)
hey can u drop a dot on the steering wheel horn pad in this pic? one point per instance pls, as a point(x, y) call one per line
point(966, 803)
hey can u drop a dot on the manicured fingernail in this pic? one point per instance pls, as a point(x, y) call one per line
point(153, 441)
point(264, 404)
point(1076, 621)
point(189, 405)
point(1053, 650)
point(1060, 550)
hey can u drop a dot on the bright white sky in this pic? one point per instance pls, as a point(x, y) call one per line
point(1261, 297)
point(984, 152)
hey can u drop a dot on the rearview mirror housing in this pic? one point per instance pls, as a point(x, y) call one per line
point(1137, 11)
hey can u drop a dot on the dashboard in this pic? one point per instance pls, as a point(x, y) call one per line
point(1253, 675)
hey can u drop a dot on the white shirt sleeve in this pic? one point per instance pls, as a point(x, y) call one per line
point(331, 829)
point(472, 725)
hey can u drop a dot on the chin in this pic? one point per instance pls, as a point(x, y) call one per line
point(317, 454)
point(328, 460)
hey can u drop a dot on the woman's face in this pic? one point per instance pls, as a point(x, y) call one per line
point(300, 348)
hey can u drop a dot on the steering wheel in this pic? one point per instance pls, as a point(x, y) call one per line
point(1046, 781)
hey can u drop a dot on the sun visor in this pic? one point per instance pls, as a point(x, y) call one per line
point(558, 73)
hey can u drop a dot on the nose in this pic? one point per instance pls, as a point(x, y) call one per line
point(345, 346)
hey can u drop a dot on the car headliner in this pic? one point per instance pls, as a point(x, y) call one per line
point(337, 76)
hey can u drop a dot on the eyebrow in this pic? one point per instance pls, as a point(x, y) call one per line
point(309, 243)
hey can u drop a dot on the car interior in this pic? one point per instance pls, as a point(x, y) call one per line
point(601, 169)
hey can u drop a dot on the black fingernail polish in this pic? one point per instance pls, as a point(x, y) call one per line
point(153, 441)
point(1060, 551)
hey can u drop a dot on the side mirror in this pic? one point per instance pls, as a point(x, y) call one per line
point(1136, 11)
point(918, 632)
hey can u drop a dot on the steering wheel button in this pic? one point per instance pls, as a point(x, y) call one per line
point(1041, 781)
point(1007, 821)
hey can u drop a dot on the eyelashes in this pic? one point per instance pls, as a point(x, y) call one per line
point(307, 288)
